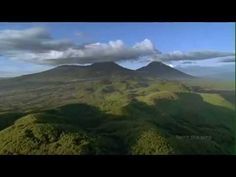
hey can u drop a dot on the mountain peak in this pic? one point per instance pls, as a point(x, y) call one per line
point(159, 69)
point(155, 63)
point(154, 67)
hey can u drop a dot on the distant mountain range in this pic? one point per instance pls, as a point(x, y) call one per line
point(103, 70)
point(94, 72)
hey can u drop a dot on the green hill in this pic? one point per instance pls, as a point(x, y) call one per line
point(119, 114)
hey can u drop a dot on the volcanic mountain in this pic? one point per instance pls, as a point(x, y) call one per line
point(68, 73)
point(96, 71)
point(72, 72)
point(158, 69)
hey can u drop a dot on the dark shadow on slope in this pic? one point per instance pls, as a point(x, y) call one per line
point(78, 114)
point(123, 134)
point(113, 135)
point(189, 116)
point(8, 119)
point(89, 118)
point(228, 95)
point(83, 115)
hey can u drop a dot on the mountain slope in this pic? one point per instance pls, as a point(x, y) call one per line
point(97, 109)
point(66, 74)
point(95, 70)
point(161, 70)
point(152, 123)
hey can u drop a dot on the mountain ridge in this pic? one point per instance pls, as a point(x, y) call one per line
point(159, 69)
point(102, 70)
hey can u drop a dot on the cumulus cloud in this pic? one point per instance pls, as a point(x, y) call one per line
point(36, 45)
point(31, 40)
point(198, 55)
point(102, 52)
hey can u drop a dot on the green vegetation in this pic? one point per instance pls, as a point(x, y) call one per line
point(211, 84)
point(116, 115)
point(151, 143)
point(216, 99)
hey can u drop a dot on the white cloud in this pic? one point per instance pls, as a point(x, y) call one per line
point(99, 52)
point(146, 44)
point(30, 40)
point(197, 55)
point(36, 45)
point(170, 65)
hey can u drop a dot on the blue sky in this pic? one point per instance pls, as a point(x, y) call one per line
point(166, 37)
